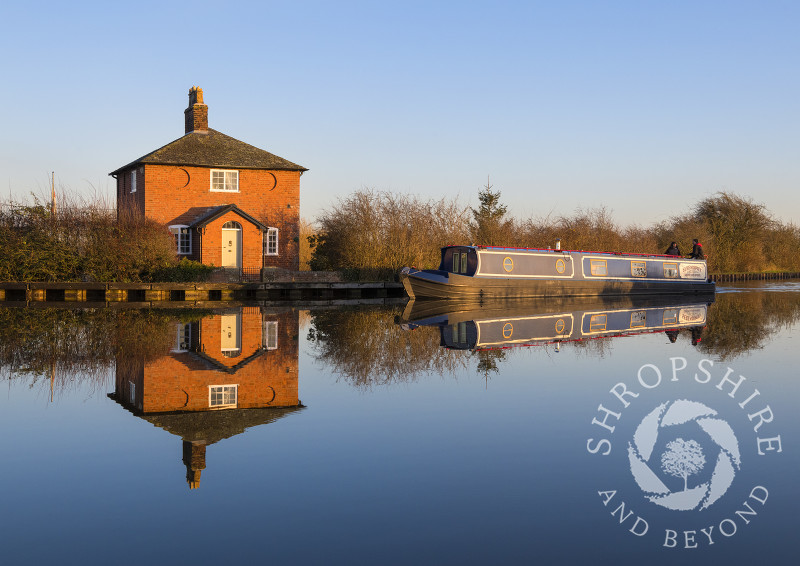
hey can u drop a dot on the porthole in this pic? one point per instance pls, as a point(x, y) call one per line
point(560, 325)
point(508, 330)
point(508, 264)
point(561, 265)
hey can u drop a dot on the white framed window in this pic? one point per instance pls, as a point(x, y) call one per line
point(133, 181)
point(269, 333)
point(183, 338)
point(222, 396)
point(271, 241)
point(225, 180)
point(183, 238)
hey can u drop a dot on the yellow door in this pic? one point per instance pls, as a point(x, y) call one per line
point(231, 338)
point(232, 245)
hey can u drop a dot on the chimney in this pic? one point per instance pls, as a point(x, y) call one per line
point(196, 114)
point(194, 457)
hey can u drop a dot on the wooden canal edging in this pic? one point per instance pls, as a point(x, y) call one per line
point(733, 277)
point(195, 293)
point(109, 293)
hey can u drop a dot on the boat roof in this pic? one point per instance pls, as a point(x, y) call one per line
point(523, 250)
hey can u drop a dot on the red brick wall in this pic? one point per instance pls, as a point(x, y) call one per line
point(252, 241)
point(180, 381)
point(272, 197)
point(127, 201)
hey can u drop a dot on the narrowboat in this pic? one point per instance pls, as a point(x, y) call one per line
point(490, 325)
point(482, 272)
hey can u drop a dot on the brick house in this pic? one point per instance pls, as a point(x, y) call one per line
point(228, 204)
point(223, 375)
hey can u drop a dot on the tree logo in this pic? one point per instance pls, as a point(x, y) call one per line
point(683, 458)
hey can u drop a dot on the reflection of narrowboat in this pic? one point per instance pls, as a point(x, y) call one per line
point(511, 323)
point(477, 272)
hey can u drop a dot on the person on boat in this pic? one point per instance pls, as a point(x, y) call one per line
point(672, 335)
point(673, 249)
point(697, 250)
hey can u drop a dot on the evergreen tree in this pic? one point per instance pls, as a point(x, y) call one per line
point(489, 227)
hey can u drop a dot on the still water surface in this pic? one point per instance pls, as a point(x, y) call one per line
point(534, 433)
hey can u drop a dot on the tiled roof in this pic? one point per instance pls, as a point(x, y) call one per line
point(214, 149)
point(205, 215)
point(213, 426)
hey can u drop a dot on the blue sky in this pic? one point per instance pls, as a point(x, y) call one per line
point(643, 107)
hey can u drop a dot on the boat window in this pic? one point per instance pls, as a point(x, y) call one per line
point(598, 322)
point(508, 264)
point(463, 263)
point(508, 330)
point(561, 265)
point(670, 270)
point(455, 263)
point(459, 333)
point(638, 319)
point(670, 316)
point(639, 268)
point(560, 325)
point(599, 267)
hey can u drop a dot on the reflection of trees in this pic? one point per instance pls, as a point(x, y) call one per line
point(367, 348)
point(65, 345)
point(590, 347)
point(741, 322)
point(488, 360)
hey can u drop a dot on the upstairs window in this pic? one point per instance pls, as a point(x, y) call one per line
point(183, 238)
point(269, 334)
point(271, 241)
point(225, 180)
point(222, 396)
point(133, 181)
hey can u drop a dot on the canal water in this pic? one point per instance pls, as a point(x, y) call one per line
point(647, 432)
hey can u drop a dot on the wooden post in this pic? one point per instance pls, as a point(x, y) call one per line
point(53, 196)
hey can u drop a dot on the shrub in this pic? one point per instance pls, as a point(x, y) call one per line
point(184, 271)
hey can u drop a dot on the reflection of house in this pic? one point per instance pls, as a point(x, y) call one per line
point(226, 202)
point(224, 374)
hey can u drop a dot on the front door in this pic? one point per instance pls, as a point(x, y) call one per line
point(231, 334)
point(232, 245)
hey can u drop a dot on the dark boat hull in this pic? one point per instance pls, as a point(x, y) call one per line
point(436, 284)
point(508, 323)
